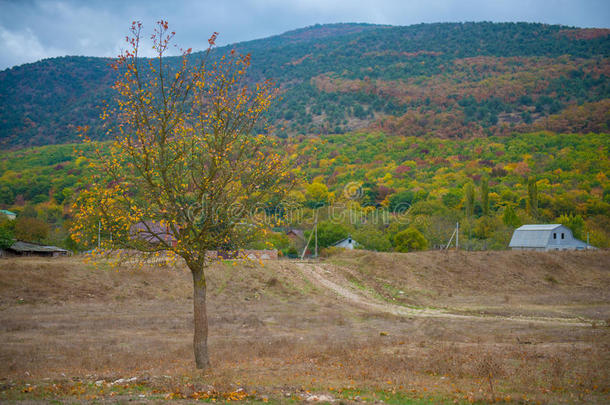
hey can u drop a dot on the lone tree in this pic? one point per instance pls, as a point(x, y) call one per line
point(185, 172)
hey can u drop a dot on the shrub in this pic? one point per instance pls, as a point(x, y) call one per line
point(409, 240)
point(373, 239)
point(291, 252)
point(330, 251)
point(7, 237)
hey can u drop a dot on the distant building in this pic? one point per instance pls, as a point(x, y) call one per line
point(9, 214)
point(152, 232)
point(295, 234)
point(347, 243)
point(297, 238)
point(250, 254)
point(545, 237)
point(20, 248)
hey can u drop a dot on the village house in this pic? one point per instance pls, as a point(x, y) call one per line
point(545, 237)
point(9, 214)
point(21, 248)
point(347, 243)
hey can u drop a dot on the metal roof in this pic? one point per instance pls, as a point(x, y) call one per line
point(538, 227)
point(20, 246)
point(539, 236)
point(578, 243)
point(530, 238)
point(349, 239)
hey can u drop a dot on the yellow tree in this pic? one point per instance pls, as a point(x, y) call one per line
point(185, 172)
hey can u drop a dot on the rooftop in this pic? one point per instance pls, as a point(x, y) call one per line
point(538, 227)
point(20, 246)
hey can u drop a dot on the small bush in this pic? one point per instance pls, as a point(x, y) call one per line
point(330, 251)
point(409, 240)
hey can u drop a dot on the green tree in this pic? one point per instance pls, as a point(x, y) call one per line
point(452, 198)
point(510, 218)
point(329, 233)
point(409, 240)
point(28, 211)
point(484, 227)
point(469, 194)
point(31, 229)
point(270, 240)
point(7, 233)
point(532, 197)
point(7, 195)
point(316, 195)
point(401, 201)
point(186, 173)
point(576, 223)
point(485, 196)
point(373, 239)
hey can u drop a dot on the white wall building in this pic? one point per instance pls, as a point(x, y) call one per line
point(545, 237)
point(10, 215)
point(347, 243)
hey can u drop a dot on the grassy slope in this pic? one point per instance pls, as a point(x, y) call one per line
point(544, 283)
point(277, 333)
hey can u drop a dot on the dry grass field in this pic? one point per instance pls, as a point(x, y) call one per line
point(431, 327)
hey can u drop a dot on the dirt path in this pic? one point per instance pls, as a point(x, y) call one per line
point(320, 276)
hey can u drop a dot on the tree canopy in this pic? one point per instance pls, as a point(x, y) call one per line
point(185, 173)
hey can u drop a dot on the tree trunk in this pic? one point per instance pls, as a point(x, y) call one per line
point(200, 336)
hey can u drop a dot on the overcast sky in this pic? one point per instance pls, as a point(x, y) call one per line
point(31, 30)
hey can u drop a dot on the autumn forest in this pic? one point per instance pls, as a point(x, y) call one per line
point(490, 125)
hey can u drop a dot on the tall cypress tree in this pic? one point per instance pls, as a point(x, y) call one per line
point(532, 197)
point(510, 218)
point(469, 192)
point(485, 196)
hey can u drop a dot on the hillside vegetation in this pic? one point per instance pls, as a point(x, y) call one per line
point(489, 125)
point(424, 183)
point(448, 80)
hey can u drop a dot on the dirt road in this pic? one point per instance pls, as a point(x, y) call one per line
point(330, 280)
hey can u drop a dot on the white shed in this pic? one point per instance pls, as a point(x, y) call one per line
point(347, 243)
point(10, 215)
point(545, 237)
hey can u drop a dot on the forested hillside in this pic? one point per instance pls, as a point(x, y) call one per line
point(395, 133)
point(447, 80)
point(375, 186)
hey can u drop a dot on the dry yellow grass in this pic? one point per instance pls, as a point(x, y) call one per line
point(277, 332)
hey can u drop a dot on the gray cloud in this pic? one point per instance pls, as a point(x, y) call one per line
point(34, 29)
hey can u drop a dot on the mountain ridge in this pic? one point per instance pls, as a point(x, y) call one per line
point(341, 77)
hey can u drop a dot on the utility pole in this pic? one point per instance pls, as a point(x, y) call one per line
point(316, 231)
point(456, 233)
